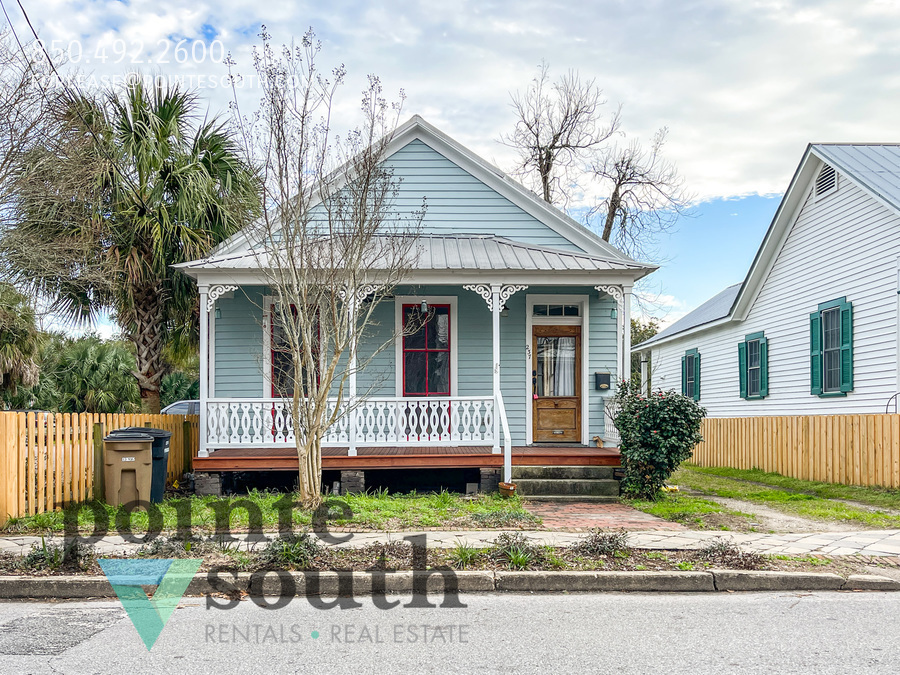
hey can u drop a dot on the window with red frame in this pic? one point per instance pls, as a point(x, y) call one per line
point(282, 359)
point(426, 351)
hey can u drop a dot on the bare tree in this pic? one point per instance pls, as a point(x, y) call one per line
point(564, 143)
point(331, 244)
point(646, 195)
point(558, 126)
point(22, 106)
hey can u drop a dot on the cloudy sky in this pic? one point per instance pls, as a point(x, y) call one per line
point(743, 85)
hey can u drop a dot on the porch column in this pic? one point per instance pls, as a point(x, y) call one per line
point(626, 301)
point(496, 295)
point(495, 307)
point(204, 368)
point(351, 382)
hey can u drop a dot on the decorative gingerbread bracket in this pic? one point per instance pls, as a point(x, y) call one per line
point(216, 292)
point(362, 292)
point(614, 292)
point(487, 292)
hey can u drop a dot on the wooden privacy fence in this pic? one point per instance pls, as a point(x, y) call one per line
point(845, 449)
point(47, 460)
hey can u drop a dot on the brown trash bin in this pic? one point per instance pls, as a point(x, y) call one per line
point(127, 467)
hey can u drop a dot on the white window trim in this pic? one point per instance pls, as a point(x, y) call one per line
point(583, 321)
point(837, 312)
point(758, 367)
point(268, 301)
point(401, 300)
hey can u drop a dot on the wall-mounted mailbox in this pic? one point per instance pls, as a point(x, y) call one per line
point(602, 381)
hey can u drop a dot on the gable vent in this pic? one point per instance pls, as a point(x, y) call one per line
point(827, 180)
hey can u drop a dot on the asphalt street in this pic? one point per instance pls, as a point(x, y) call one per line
point(608, 633)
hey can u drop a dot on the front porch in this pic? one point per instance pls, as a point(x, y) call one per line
point(463, 410)
point(405, 457)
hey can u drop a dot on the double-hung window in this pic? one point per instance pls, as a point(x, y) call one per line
point(753, 363)
point(690, 374)
point(831, 348)
point(283, 372)
point(426, 350)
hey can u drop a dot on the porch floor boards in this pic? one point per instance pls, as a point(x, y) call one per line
point(396, 457)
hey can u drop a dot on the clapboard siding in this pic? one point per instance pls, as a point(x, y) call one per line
point(457, 202)
point(239, 344)
point(239, 340)
point(846, 244)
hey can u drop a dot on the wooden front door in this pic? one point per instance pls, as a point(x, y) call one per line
point(556, 384)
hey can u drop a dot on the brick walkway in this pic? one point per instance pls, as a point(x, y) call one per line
point(582, 516)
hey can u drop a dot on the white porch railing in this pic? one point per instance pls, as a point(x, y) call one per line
point(378, 421)
point(610, 432)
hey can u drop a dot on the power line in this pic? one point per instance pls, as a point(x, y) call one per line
point(69, 93)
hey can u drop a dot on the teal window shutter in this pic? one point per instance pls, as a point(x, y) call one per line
point(846, 347)
point(697, 377)
point(815, 353)
point(684, 375)
point(763, 367)
point(742, 367)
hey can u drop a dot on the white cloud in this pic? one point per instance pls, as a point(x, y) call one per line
point(664, 308)
point(743, 85)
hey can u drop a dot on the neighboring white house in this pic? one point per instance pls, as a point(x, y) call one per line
point(813, 327)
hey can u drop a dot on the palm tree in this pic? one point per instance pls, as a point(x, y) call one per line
point(95, 377)
point(130, 185)
point(18, 341)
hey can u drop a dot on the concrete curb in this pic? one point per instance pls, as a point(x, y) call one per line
point(311, 584)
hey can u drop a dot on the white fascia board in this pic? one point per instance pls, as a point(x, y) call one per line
point(253, 277)
point(782, 223)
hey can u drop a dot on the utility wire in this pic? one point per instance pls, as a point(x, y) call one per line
point(70, 93)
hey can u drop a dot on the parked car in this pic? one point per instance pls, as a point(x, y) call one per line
point(182, 408)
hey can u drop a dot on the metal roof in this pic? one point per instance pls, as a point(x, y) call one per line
point(462, 252)
point(717, 307)
point(875, 166)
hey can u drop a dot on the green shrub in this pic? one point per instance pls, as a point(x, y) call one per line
point(658, 433)
point(726, 553)
point(462, 555)
point(519, 559)
point(291, 550)
point(516, 550)
point(73, 556)
point(599, 542)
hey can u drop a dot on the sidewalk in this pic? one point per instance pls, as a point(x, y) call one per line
point(867, 542)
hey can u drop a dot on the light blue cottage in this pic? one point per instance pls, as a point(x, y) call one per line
point(533, 310)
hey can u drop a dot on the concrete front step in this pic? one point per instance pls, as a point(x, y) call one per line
point(598, 499)
point(563, 472)
point(536, 487)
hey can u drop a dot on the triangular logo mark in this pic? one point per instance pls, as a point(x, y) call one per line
point(171, 578)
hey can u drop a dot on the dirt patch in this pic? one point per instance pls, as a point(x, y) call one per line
point(722, 521)
point(848, 502)
point(766, 519)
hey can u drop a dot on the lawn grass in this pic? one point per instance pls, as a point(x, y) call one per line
point(790, 502)
point(873, 496)
point(367, 511)
point(692, 511)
